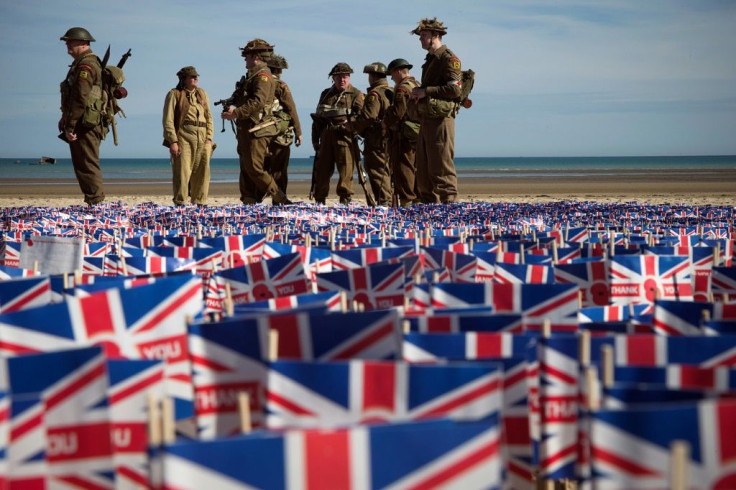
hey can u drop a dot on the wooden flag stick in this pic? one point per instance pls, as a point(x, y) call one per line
point(406, 326)
point(169, 421)
point(607, 364)
point(155, 436)
point(229, 307)
point(679, 467)
point(584, 347)
point(546, 328)
point(244, 411)
point(273, 345)
point(593, 388)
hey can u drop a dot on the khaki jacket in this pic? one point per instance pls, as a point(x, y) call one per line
point(176, 108)
point(84, 74)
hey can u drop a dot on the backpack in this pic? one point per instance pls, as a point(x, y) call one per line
point(467, 86)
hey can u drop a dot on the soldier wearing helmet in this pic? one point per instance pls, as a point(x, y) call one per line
point(256, 124)
point(188, 132)
point(438, 100)
point(368, 124)
point(402, 121)
point(81, 124)
point(332, 139)
point(290, 129)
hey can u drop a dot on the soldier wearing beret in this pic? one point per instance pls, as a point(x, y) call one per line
point(368, 124)
point(290, 129)
point(188, 130)
point(331, 137)
point(256, 125)
point(438, 100)
point(80, 125)
point(402, 120)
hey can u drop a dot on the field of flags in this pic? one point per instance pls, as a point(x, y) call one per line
point(475, 345)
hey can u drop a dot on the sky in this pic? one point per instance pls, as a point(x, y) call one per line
point(553, 77)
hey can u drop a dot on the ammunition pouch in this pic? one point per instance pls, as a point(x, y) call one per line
point(94, 111)
point(410, 130)
point(266, 130)
point(433, 108)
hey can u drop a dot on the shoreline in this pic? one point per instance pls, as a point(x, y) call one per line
point(684, 186)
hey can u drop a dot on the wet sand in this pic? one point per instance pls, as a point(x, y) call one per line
point(717, 187)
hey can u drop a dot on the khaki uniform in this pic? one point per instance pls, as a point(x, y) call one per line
point(368, 125)
point(255, 107)
point(83, 79)
point(399, 118)
point(335, 143)
point(442, 78)
point(187, 120)
point(279, 151)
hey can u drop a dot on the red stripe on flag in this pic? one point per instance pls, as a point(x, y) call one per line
point(79, 383)
point(479, 456)
point(641, 350)
point(629, 467)
point(488, 345)
point(77, 442)
point(22, 429)
point(439, 324)
point(379, 386)
point(376, 336)
point(136, 387)
point(28, 297)
point(194, 290)
point(97, 315)
point(327, 459)
point(290, 342)
point(464, 399)
point(287, 404)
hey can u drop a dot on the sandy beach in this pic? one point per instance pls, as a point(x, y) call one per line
point(716, 187)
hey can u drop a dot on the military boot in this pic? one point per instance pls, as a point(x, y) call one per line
point(278, 198)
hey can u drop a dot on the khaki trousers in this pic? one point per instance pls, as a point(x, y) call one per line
point(191, 169)
point(85, 152)
point(335, 150)
point(402, 161)
point(377, 168)
point(254, 179)
point(436, 177)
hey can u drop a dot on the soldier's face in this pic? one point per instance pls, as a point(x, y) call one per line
point(74, 46)
point(341, 80)
point(250, 60)
point(425, 37)
point(191, 83)
point(396, 76)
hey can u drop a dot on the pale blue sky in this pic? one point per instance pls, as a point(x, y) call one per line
point(553, 78)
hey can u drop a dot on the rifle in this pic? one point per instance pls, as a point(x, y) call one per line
point(314, 164)
point(225, 103)
point(118, 93)
point(362, 176)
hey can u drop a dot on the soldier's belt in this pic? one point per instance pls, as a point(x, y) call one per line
point(200, 124)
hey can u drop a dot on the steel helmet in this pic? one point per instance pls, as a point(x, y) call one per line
point(78, 33)
point(376, 68)
point(399, 63)
point(340, 68)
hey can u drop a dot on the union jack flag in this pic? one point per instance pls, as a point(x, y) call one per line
point(26, 451)
point(375, 286)
point(419, 347)
point(523, 274)
point(630, 448)
point(277, 277)
point(306, 394)
point(8, 272)
point(228, 358)
point(678, 377)
point(74, 386)
point(137, 266)
point(462, 267)
point(364, 256)
point(315, 259)
point(24, 293)
point(723, 282)
point(649, 277)
point(325, 301)
point(679, 317)
point(465, 322)
point(412, 455)
point(131, 383)
point(657, 350)
point(591, 276)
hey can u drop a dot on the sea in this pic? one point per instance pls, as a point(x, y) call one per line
point(226, 170)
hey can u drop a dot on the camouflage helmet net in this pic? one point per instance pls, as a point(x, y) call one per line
point(340, 68)
point(257, 46)
point(430, 25)
point(277, 61)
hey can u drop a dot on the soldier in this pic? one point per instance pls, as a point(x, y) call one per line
point(290, 130)
point(333, 141)
point(256, 125)
point(188, 130)
point(368, 124)
point(82, 123)
point(402, 119)
point(438, 98)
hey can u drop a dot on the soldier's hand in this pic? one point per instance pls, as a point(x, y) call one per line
point(229, 114)
point(418, 93)
point(174, 149)
point(298, 140)
point(70, 135)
